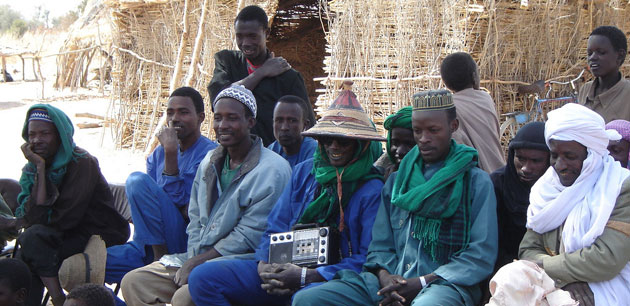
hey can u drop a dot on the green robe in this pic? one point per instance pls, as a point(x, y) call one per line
point(393, 248)
point(231, 66)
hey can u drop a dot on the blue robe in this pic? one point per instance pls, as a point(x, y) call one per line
point(395, 249)
point(155, 200)
point(222, 282)
point(307, 148)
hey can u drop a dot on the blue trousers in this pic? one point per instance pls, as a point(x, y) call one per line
point(227, 282)
point(156, 221)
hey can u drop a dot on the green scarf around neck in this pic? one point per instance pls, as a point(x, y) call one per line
point(324, 207)
point(65, 154)
point(434, 202)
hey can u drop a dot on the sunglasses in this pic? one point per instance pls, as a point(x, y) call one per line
point(342, 142)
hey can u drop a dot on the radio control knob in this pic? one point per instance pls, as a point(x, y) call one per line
point(323, 242)
point(323, 232)
point(274, 238)
point(281, 238)
point(322, 258)
point(289, 236)
point(323, 250)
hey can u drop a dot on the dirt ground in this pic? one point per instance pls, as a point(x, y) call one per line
point(16, 97)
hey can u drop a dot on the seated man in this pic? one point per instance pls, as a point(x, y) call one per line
point(620, 149)
point(159, 198)
point(15, 282)
point(579, 212)
point(64, 201)
point(234, 190)
point(311, 197)
point(476, 112)
point(256, 68)
point(435, 234)
point(290, 119)
point(399, 141)
point(608, 94)
point(528, 159)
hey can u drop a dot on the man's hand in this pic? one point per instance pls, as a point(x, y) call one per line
point(31, 156)
point(280, 279)
point(181, 276)
point(581, 292)
point(396, 289)
point(274, 66)
point(167, 137)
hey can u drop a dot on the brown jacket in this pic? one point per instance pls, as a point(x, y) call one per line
point(612, 104)
point(601, 261)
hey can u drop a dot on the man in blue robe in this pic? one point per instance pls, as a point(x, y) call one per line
point(290, 119)
point(159, 198)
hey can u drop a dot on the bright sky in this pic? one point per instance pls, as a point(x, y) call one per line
point(28, 7)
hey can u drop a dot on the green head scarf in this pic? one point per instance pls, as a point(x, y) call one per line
point(400, 119)
point(336, 183)
point(57, 169)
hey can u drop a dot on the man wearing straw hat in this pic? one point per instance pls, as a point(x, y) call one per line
point(234, 190)
point(256, 68)
point(435, 234)
point(476, 112)
point(64, 201)
point(338, 187)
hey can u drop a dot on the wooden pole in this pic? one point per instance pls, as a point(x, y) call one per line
point(4, 69)
point(22, 58)
point(197, 48)
point(175, 80)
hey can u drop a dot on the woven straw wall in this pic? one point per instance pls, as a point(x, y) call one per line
point(392, 49)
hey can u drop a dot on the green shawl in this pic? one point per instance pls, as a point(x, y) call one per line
point(441, 205)
point(57, 169)
point(401, 119)
point(337, 184)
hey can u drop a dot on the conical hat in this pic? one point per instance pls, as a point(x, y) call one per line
point(345, 118)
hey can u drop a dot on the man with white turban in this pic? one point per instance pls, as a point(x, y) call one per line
point(577, 221)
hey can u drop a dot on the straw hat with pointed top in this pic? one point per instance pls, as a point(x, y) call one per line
point(345, 118)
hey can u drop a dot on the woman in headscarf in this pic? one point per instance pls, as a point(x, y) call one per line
point(528, 159)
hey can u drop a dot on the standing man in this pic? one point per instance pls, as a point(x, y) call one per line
point(476, 112)
point(338, 187)
point(528, 159)
point(234, 190)
point(435, 236)
point(290, 119)
point(256, 68)
point(64, 201)
point(159, 198)
point(608, 94)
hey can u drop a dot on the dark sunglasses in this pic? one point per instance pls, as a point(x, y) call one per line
point(342, 142)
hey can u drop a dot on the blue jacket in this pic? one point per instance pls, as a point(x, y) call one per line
point(307, 149)
point(359, 218)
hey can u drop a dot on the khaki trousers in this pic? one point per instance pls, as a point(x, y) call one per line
point(154, 285)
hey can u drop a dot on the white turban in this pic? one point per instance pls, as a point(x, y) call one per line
point(586, 205)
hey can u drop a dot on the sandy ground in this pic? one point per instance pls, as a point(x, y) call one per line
point(16, 97)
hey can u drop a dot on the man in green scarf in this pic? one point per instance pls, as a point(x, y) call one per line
point(399, 141)
point(338, 187)
point(435, 235)
point(64, 201)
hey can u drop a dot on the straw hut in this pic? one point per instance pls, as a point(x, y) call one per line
point(87, 49)
point(161, 45)
point(390, 49)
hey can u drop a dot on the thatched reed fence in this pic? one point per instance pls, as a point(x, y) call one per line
point(390, 49)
